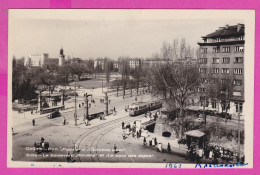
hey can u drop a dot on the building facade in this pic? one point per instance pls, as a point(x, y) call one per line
point(40, 60)
point(222, 57)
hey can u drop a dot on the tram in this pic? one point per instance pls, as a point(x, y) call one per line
point(142, 107)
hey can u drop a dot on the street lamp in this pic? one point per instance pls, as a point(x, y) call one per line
point(86, 107)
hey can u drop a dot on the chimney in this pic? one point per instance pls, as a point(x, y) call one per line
point(239, 26)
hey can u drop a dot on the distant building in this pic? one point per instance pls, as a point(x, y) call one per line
point(39, 60)
point(134, 63)
point(222, 53)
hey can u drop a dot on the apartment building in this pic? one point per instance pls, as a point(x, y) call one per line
point(222, 56)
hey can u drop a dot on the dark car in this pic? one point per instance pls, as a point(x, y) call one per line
point(224, 115)
point(209, 112)
point(55, 114)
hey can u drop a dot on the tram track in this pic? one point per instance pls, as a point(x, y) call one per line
point(101, 134)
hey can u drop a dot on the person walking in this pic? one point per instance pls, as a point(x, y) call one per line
point(114, 109)
point(69, 158)
point(145, 141)
point(155, 141)
point(64, 122)
point(169, 147)
point(123, 125)
point(115, 148)
point(33, 122)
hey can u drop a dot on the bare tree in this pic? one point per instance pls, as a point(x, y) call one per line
point(177, 81)
point(125, 72)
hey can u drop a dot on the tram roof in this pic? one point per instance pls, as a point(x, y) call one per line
point(139, 103)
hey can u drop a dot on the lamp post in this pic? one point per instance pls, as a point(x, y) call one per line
point(75, 113)
point(86, 106)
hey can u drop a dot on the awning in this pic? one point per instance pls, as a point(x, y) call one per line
point(195, 133)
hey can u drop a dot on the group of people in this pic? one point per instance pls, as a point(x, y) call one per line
point(130, 128)
point(213, 153)
point(41, 146)
point(153, 143)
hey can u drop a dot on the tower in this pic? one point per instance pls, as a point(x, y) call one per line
point(61, 57)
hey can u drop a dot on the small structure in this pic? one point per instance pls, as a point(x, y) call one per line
point(45, 99)
point(195, 137)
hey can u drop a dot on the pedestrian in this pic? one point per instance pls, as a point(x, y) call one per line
point(145, 141)
point(155, 141)
point(33, 122)
point(137, 134)
point(82, 104)
point(140, 131)
point(115, 148)
point(31, 111)
point(160, 147)
point(64, 122)
point(123, 125)
point(114, 109)
point(169, 147)
point(42, 139)
point(69, 158)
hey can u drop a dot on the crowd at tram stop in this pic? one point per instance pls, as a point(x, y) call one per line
point(41, 146)
point(214, 154)
point(131, 129)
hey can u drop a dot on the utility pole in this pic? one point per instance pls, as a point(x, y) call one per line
point(102, 84)
point(75, 113)
point(238, 131)
point(106, 102)
point(86, 107)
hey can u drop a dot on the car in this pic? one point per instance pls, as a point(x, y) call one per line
point(55, 114)
point(209, 112)
point(224, 115)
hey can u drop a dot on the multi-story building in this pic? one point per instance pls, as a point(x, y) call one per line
point(222, 56)
point(134, 62)
point(40, 60)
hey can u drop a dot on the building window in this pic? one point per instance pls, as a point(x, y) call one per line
point(226, 49)
point(223, 81)
point(226, 60)
point(216, 50)
point(237, 82)
point(239, 107)
point(225, 71)
point(204, 80)
point(203, 60)
point(204, 50)
point(238, 71)
point(237, 93)
point(202, 70)
point(215, 60)
point(238, 60)
point(239, 49)
point(201, 89)
point(215, 70)
point(214, 104)
point(241, 38)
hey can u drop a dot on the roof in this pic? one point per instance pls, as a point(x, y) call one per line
point(194, 133)
point(227, 31)
point(139, 103)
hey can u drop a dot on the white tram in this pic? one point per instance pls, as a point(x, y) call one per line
point(142, 107)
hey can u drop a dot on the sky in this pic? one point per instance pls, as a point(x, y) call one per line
point(109, 33)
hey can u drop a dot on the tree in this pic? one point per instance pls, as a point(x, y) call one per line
point(125, 72)
point(177, 81)
point(137, 75)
